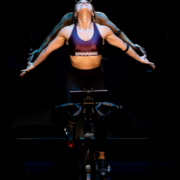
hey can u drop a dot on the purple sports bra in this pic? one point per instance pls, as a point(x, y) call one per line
point(78, 47)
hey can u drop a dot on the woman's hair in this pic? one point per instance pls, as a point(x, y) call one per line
point(79, 0)
point(75, 20)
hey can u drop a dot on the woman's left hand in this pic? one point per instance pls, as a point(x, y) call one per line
point(139, 48)
point(144, 60)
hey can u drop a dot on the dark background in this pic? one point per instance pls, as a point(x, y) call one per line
point(141, 90)
point(148, 97)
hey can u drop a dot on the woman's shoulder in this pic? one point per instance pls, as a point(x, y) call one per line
point(102, 27)
point(66, 31)
point(67, 28)
point(104, 30)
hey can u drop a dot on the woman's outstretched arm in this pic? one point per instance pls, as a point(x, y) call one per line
point(65, 21)
point(55, 44)
point(104, 20)
point(115, 41)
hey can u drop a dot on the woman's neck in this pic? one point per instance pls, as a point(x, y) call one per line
point(84, 21)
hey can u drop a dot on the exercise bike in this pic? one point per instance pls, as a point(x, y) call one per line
point(87, 103)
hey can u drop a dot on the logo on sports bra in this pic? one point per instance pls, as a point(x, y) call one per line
point(86, 53)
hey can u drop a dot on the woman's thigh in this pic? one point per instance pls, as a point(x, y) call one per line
point(72, 84)
point(97, 81)
point(99, 85)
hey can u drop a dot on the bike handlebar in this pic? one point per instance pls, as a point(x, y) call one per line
point(80, 108)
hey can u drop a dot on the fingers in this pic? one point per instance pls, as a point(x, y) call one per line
point(30, 58)
point(152, 65)
point(139, 46)
point(141, 49)
point(32, 53)
point(22, 74)
point(23, 71)
point(144, 52)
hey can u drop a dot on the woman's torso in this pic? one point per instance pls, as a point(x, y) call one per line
point(85, 62)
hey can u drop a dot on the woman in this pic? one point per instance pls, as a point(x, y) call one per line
point(68, 19)
point(85, 39)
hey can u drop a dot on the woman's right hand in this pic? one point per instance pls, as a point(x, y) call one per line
point(32, 55)
point(29, 68)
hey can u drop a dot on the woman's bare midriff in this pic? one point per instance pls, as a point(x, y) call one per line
point(85, 62)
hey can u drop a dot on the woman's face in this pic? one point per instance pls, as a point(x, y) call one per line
point(83, 4)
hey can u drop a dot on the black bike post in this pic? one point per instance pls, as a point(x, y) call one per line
point(88, 164)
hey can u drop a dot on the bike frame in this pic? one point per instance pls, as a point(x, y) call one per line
point(88, 161)
point(88, 110)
